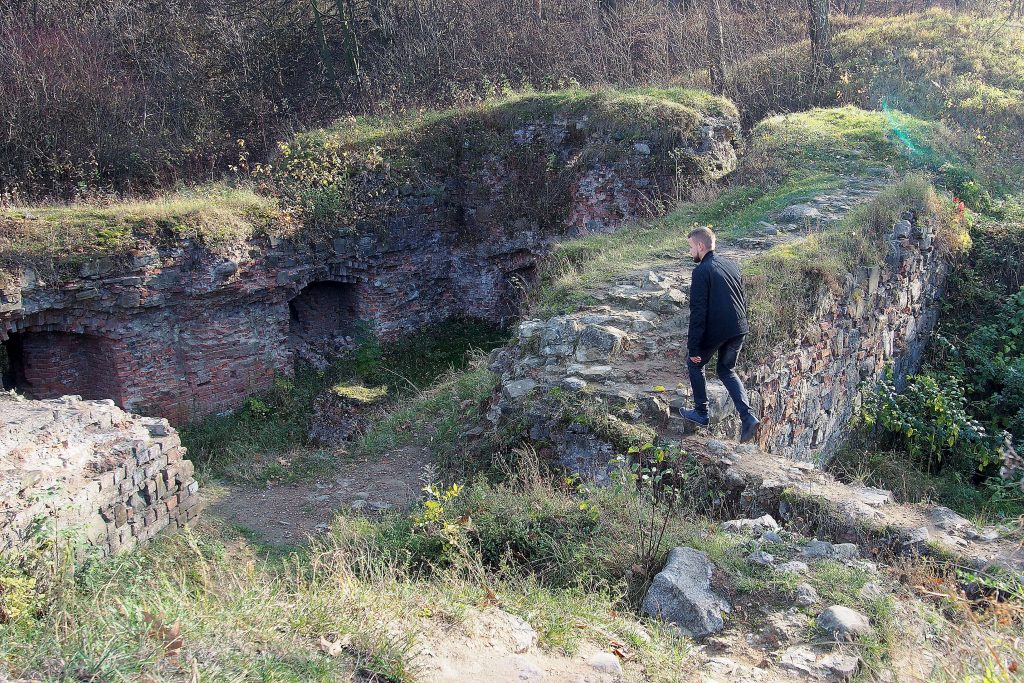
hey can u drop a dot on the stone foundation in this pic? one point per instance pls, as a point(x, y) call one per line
point(883, 318)
point(89, 472)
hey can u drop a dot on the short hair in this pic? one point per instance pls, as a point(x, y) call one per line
point(703, 235)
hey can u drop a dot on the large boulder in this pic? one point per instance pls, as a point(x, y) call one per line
point(682, 594)
point(843, 623)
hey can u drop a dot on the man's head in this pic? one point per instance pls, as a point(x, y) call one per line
point(702, 240)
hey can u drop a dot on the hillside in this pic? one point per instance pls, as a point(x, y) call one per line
point(494, 499)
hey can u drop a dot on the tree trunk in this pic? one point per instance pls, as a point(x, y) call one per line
point(326, 59)
point(716, 47)
point(822, 58)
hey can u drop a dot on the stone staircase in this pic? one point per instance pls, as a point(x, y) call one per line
point(627, 352)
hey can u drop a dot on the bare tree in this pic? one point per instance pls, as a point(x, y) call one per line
point(716, 47)
point(820, 29)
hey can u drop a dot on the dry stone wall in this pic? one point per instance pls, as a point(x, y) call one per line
point(180, 330)
point(91, 473)
point(881, 319)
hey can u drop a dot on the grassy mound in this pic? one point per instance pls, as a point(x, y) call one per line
point(352, 174)
point(55, 239)
point(962, 70)
point(789, 158)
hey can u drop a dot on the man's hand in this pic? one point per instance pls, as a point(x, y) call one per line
point(695, 359)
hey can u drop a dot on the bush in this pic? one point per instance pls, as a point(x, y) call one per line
point(929, 418)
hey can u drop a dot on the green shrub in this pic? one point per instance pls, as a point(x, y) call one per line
point(931, 420)
point(540, 529)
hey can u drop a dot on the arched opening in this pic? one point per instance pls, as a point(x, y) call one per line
point(52, 364)
point(322, 319)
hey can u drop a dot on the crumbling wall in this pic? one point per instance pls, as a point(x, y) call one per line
point(625, 357)
point(808, 390)
point(182, 331)
point(90, 473)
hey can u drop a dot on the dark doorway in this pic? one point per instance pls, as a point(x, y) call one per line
point(52, 364)
point(322, 318)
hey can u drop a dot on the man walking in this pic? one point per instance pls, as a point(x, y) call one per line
point(718, 322)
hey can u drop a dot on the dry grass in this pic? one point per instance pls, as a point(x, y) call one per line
point(54, 238)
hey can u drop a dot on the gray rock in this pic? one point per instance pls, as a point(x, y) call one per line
point(798, 213)
point(871, 591)
point(843, 623)
point(918, 536)
point(845, 551)
point(944, 518)
point(771, 537)
point(530, 329)
point(794, 566)
point(806, 595)
point(559, 336)
point(763, 523)
point(574, 384)
point(762, 558)
point(816, 549)
point(642, 148)
point(519, 388)
point(682, 595)
point(605, 662)
point(901, 229)
point(599, 343)
point(595, 372)
point(522, 635)
point(819, 666)
point(987, 534)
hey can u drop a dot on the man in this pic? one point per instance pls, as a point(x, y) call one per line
point(718, 322)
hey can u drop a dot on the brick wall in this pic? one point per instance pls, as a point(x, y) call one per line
point(183, 331)
point(88, 471)
point(52, 364)
point(323, 310)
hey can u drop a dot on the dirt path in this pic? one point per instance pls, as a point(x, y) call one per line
point(289, 514)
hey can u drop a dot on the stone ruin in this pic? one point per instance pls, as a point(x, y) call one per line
point(177, 329)
point(182, 330)
point(89, 472)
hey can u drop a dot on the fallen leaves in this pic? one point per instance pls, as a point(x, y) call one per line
point(334, 648)
point(169, 636)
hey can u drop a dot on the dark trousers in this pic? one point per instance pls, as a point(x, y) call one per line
point(728, 352)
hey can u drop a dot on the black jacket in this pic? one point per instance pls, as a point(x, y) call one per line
point(718, 305)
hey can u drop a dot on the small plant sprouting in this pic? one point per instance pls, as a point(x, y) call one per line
point(652, 473)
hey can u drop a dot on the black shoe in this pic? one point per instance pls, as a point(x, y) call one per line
point(695, 417)
point(749, 430)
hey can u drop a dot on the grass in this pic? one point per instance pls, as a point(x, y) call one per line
point(558, 556)
point(790, 159)
point(958, 69)
point(961, 68)
point(350, 176)
point(632, 113)
point(894, 471)
point(56, 239)
point(267, 439)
